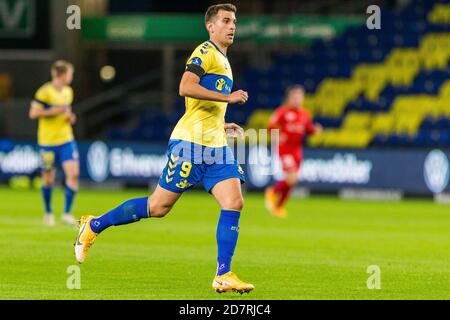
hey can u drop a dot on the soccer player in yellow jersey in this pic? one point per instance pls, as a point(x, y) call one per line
point(52, 107)
point(198, 152)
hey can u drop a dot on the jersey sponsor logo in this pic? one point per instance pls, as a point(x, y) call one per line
point(48, 159)
point(216, 82)
point(197, 61)
point(183, 184)
point(222, 84)
point(290, 116)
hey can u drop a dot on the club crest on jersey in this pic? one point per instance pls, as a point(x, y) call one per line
point(197, 61)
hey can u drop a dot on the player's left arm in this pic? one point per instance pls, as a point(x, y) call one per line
point(70, 115)
point(312, 127)
point(233, 130)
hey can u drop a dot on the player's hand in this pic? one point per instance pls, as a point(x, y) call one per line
point(56, 110)
point(239, 96)
point(233, 130)
point(72, 118)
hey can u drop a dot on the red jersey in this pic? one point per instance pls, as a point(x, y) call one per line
point(294, 124)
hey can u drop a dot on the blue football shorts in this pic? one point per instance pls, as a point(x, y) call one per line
point(52, 156)
point(190, 164)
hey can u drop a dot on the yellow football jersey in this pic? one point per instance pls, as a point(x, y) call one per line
point(203, 122)
point(56, 130)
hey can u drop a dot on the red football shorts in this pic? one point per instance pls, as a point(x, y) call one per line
point(290, 161)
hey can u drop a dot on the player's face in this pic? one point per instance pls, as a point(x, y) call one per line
point(67, 78)
point(296, 98)
point(223, 28)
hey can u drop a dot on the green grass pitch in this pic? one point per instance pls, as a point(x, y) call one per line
point(321, 251)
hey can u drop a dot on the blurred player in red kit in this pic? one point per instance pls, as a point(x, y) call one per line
point(294, 123)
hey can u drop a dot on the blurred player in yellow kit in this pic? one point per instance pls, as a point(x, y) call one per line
point(52, 107)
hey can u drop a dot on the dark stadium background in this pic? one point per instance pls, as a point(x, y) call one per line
point(382, 95)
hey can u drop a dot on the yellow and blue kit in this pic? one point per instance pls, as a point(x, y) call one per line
point(198, 150)
point(55, 134)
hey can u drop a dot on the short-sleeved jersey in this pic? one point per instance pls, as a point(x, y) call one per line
point(56, 130)
point(294, 124)
point(203, 122)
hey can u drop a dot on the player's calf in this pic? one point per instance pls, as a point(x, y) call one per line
point(48, 180)
point(157, 209)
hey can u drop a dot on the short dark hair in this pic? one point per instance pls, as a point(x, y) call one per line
point(60, 67)
point(292, 88)
point(214, 10)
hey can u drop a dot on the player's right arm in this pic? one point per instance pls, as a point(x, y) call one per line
point(38, 106)
point(37, 111)
point(198, 65)
point(274, 122)
point(190, 87)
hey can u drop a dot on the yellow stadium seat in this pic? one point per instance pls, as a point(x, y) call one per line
point(359, 139)
point(434, 50)
point(347, 138)
point(259, 119)
point(333, 95)
point(440, 14)
point(383, 123)
point(357, 120)
point(423, 105)
point(371, 78)
point(402, 65)
point(444, 91)
point(310, 104)
point(443, 105)
point(317, 140)
point(408, 124)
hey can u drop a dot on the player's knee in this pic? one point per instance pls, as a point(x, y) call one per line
point(291, 180)
point(236, 204)
point(48, 181)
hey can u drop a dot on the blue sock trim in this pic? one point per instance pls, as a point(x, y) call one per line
point(69, 197)
point(227, 236)
point(47, 195)
point(128, 212)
